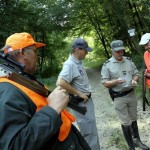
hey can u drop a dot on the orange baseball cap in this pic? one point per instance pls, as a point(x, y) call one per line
point(21, 40)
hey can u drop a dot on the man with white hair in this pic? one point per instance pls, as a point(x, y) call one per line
point(120, 76)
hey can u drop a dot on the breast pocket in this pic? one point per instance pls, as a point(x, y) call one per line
point(114, 75)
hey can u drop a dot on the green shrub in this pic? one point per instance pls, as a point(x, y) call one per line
point(94, 62)
point(49, 82)
point(138, 60)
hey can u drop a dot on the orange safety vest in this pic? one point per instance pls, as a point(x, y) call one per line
point(147, 63)
point(40, 101)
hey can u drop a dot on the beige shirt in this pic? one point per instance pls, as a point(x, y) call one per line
point(113, 69)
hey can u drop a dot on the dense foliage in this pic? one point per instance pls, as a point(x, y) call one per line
point(57, 22)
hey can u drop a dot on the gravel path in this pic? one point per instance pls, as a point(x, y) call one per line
point(109, 129)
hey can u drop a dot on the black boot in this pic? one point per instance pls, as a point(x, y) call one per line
point(128, 136)
point(136, 137)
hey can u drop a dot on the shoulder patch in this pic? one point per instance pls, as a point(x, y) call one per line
point(106, 62)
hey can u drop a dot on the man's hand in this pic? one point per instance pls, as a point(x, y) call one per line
point(134, 82)
point(58, 99)
point(83, 95)
point(121, 80)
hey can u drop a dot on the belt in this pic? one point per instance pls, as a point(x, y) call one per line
point(120, 94)
point(115, 94)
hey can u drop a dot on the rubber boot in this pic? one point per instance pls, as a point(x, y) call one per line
point(136, 137)
point(128, 136)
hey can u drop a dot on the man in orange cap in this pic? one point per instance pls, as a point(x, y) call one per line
point(30, 120)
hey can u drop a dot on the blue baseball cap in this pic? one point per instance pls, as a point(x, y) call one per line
point(81, 43)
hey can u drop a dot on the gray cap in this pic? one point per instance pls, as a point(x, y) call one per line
point(81, 43)
point(145, 39)
point(117, 45)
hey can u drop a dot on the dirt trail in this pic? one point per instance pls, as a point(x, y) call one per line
point(107, 121)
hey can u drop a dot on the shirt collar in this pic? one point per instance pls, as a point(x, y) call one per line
point(116, 61)
point(72, 57)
